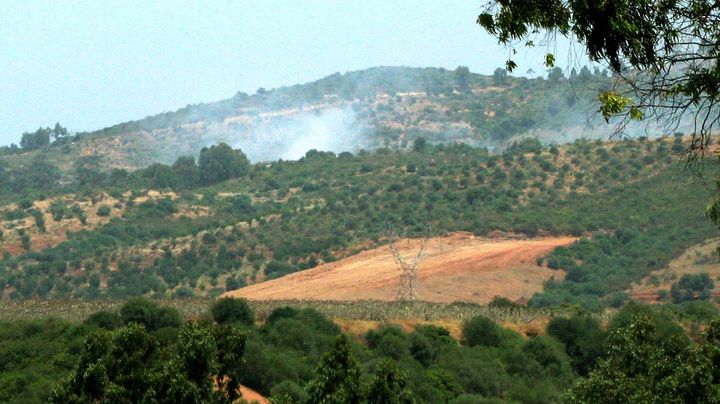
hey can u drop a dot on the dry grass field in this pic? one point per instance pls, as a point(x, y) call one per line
point(457, 267)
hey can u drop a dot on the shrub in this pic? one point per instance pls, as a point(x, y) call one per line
point(104, 211)
point(142, 311)
point(25, 204)
point(229, 310)
point(104, 319)
point(288, 391)
point(234, 283)
point(692, 286)
point(183, 292)
point(583, 338)
point(481, 331)
point(39, 220)
point(280, 313)
point(504, 302)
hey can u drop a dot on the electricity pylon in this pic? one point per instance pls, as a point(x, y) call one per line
point(407, 290)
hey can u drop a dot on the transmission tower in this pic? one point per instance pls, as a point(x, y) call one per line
point(407, 291)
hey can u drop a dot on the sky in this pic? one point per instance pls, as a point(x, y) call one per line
point(92, 64)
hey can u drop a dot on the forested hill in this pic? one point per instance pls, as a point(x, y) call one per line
point(376, 107)
point(202, 229)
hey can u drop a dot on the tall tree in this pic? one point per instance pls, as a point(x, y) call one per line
point(337, 376)
point(462, 78)
point(389, 386)
point(642, 368)
point(38, 139)
point(187, 172)
point(59, 132)
point(221, 162)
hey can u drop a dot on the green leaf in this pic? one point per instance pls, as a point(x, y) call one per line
point(550, 60)
point(636, 114)
point(613, 103)
point(486, 21)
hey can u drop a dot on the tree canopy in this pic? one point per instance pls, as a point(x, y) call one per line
point(663, 53)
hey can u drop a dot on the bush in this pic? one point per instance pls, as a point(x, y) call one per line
point(503, 302)
point(142, 311)
point(184, 291)
point(280, 313)
point(234, 283)
point(104, 211)
point(583, 338)
point(104, 319)
point(388, 341)
point(25, 204)
point(481, 331)
point(691, 287)
point(288, 391)
point(229, 310)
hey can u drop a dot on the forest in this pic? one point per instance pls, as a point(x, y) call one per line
point(301, 356)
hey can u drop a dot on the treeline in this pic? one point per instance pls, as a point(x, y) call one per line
point(147, 352)
point(39, 139)
point(41, 178)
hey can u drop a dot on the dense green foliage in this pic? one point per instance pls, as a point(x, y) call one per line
point(130, 365)
point(229, 311)
point(663, 54)
point(641, 366)
point(300, 356)
point(34, 355)
point(691, 287)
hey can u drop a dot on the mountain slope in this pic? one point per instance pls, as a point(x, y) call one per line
point(384, 106)
point(628, 201)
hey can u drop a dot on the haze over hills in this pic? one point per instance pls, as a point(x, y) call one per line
point(381, 236)
point(532, 235)
point(376, 107)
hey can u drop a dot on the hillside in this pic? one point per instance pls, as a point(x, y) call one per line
point(154, 232)
point(378, 107)
point(458, 267)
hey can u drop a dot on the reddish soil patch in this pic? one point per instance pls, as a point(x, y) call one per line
point(252, 396)
point(458, 267)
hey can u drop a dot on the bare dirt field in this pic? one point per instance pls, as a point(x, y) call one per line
point(457, 267)
point(252, 396)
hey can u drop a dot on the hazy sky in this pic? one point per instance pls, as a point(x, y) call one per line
point(91, 64)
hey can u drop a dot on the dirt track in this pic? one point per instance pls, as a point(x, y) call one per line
point(458, 267)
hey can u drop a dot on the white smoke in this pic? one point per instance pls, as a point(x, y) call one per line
point(290, 137)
